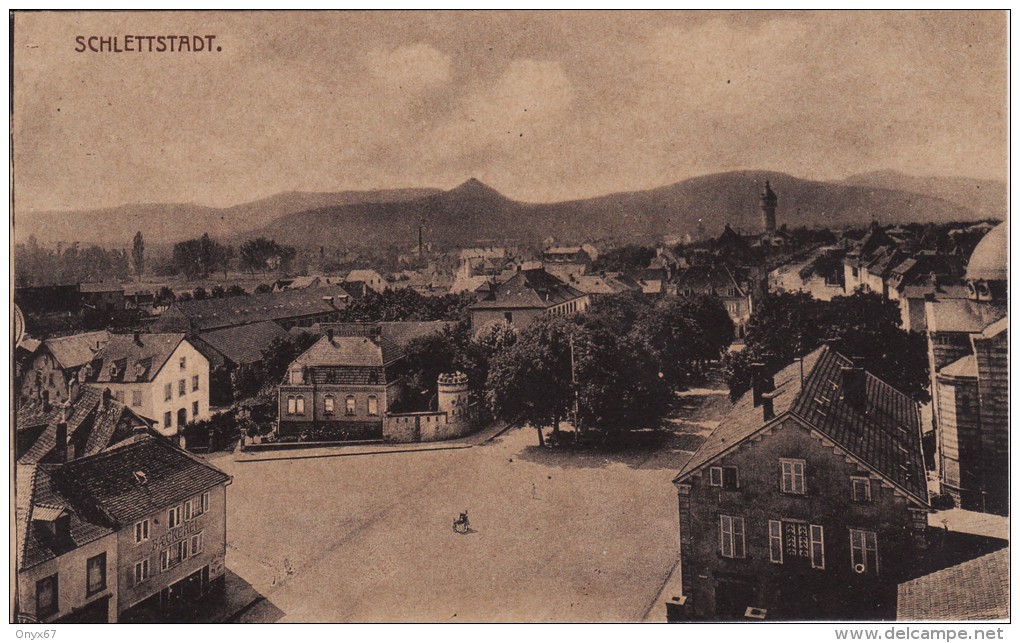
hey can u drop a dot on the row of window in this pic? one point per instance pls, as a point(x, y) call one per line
point(792, 541)
point(191, 508)
point(47, 590)
point(296, 405)
point(564, 309)
point(792, 480)
point(168, 389)
point(172, 556)
point(687, 291)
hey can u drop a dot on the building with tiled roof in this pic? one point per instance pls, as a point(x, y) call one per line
point(372, 279)
point(287, 308)
point(730, 285)
point(103, 295)
point(243, 345)
point(66, 554)
point(340, 387)
point(808, 501)
point(161, 376)
point(526, 296)
point(608, 283)
point(90, 422)
point(974, 590)
point(54, 365)
point(128, 533)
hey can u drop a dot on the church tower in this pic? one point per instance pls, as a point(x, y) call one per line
point(768, 210)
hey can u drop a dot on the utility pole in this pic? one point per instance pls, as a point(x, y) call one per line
point(577, 397)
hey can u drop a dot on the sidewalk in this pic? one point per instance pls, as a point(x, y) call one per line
point(671, 586)
point(479, 438)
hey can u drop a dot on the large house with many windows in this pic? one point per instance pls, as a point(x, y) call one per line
point(340, 388)
point(130, 533)
point(160, 376)
point(808, 501)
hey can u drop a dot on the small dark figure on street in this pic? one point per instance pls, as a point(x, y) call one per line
point(461, 524)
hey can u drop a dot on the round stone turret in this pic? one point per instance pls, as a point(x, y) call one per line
point(453, 394)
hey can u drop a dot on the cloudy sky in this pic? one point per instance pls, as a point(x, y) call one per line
point(541, 106)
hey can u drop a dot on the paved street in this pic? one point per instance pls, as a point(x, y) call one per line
point(558, 536)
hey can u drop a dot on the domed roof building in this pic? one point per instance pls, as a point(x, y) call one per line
point(987, 270)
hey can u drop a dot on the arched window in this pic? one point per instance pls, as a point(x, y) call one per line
point(373, 405)
point(349, 407)
point(329, 404)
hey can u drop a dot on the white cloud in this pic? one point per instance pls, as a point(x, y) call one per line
point(412, 67)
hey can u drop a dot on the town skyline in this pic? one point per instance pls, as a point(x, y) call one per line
point(418, 99)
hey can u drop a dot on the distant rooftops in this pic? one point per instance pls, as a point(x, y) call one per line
point(529, 289)
point(208, 314)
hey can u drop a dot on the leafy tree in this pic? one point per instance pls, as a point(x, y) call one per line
point(682, 334)
point(199, 293)
point(257, 254)
point(235, 291)
point(861, 325)
point(782, 327)
point(164, 297)
point(531, 381)
point(619, 311)
point(626, 257)
point(138, 254)
point(218, 292)
point(263, 288)
point(618, 382)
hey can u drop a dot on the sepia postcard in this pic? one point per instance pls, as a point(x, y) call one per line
point(424, 316)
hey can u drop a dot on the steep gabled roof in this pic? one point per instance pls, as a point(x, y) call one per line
point(350, 351)
point(24, 491)
point(74, 350)
point(46, 495)
point(93, 421)
point(244, 344)
point(529, 289)
point(108, 481)
point(137, 359)
point(719, 277)
point(966, 366)
point(884, 435)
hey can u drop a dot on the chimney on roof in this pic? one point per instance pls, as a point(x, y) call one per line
point(761, 383)
point(60, 448)
point(138, 338)
point(329, 335)
point(768, 408)
point(853, 383)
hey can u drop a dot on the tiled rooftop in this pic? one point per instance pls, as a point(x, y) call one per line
point(136, 358)
point(884, 434)
point(977, 589)
point(108, 480)
point(529, 289)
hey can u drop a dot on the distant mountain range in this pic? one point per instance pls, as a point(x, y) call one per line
point(474, 212)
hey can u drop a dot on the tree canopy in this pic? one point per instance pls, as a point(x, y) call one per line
point(788, 325)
